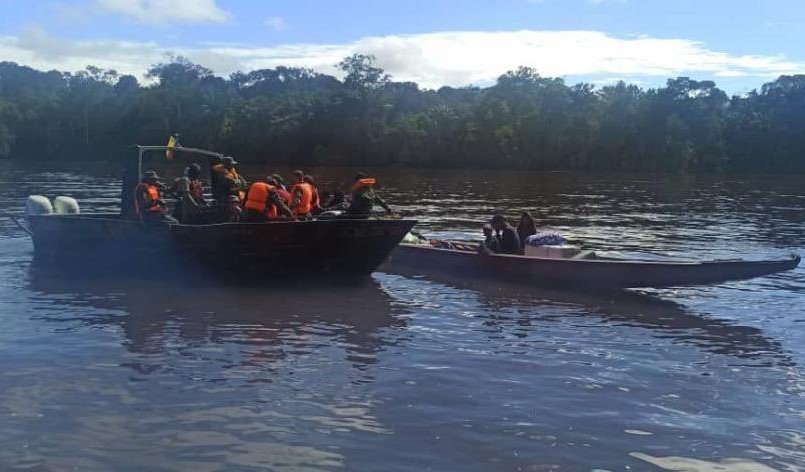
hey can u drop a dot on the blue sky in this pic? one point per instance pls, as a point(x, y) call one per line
point(740, 44)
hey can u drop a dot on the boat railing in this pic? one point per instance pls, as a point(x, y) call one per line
point(141, 150)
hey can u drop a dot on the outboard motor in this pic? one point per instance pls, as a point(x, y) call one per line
point(65, 206)
point(38, 205)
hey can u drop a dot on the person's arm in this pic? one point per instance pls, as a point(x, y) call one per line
point(281, 206)
point(297, 198)
point(379, 201)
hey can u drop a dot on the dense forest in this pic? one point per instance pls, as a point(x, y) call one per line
point(295, 115)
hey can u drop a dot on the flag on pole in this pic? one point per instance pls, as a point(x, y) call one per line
point(172, 142)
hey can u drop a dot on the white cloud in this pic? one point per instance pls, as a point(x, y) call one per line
point(432, 60)
point(276, 23)
point(166, 11)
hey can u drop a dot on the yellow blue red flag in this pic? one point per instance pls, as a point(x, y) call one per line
point(171, 144)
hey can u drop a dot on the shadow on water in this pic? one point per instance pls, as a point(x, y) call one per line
point(665, 318)
point(274, 320)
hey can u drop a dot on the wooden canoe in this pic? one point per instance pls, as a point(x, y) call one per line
point(584, 274)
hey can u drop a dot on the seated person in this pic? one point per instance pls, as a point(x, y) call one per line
point(506, 235)
point(526, 227)
point(148, 204)
point(364, 198)
point(231, 212)
point(491, 243)
point(264, 202)
point(189, 193)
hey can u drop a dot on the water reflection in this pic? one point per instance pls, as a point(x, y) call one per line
point(667, 319)
point(268, 323)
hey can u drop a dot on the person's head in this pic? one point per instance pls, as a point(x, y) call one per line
point(150, 177)
point(215, 160)
point(527, 221)
point(487, 230)
point(270, 180)
point(278, 179)
point(499, 222)
point(192, 171)
point(298, 175)
point(360, 176)
point(229, 162)
point(308, 179)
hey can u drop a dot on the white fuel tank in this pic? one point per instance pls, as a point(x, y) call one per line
point(38, 205)
point(65, 206)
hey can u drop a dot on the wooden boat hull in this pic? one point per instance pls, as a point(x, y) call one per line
point(577, 274)
point(342, 247)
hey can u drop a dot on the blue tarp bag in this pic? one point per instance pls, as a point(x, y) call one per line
point(545, 239)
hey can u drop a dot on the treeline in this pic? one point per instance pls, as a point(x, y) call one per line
point(295, 115)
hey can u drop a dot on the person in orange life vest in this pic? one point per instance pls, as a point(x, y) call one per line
point(218, 179)
point(303, 197)
point(364, 198)
point(316, 201)
point(235, 183)
point(282, 190)
point(264, 203)
point(148, 204)
point(189, 193)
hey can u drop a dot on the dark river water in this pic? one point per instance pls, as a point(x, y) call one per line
point(403, 373)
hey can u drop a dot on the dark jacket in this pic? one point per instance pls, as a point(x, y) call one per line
point(509, 241)
point(364, 199)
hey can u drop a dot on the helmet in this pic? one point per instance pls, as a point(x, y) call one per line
point(150, 175)
point(228, 161)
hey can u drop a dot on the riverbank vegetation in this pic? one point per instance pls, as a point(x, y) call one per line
point(293, 115)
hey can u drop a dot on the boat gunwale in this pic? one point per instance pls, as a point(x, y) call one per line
point(114, 217)
point(794, 259)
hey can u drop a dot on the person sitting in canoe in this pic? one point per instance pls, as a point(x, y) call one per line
point(506, 235)
point(491, 245)
point(364, 198)
point(148, 204)
point(525, 228)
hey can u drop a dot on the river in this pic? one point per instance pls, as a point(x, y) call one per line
point(411, 374)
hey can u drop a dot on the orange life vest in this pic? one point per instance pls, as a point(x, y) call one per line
point(368, 182)
point(306, 200)
point(153, 194)
point(233, 175)
point(258, 199)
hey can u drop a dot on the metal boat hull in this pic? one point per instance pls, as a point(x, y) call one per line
point(342, 247)
point(577, 274)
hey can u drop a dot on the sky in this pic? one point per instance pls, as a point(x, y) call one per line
point(740, 44)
